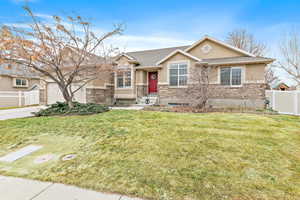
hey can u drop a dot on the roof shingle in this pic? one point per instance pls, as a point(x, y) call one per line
point(17, 70)
point(151, 57)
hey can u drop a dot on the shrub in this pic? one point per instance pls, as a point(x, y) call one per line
point(62, 108)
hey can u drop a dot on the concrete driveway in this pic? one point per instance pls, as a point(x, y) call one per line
point(23, 189)
point(19, 112)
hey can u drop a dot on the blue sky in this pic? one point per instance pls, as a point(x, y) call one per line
point(166, 23)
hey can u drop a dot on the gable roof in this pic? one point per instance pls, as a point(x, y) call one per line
point(180, 52)
point(127, 56)
point(156, 56)
point(151, 57)
point(221, 43)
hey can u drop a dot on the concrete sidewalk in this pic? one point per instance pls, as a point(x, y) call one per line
point(127, 108)
point(19, 112)
point(22, 189)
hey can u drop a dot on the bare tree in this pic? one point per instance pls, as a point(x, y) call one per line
point(270, 76)
point(290, 53)
point(63, 50)
point(240, 38)
point(198, 91)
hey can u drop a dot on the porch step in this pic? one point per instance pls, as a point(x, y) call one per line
point(147, 100)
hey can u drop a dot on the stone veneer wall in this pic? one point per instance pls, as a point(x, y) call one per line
point(101, 96)
point(249, 95)
point(247, 91)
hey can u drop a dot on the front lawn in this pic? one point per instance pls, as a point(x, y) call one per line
point(159, 155)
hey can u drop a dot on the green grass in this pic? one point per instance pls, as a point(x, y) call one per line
point(159, 155)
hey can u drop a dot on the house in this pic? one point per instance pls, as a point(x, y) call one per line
point(15, 78)
point(237, 76)
point(285, 87)
point(98, 90)
point(281, 86)
point(159, 76)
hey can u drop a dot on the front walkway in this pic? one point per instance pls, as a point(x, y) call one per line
point(19, 112)
point(23, 189)
point(127, 108)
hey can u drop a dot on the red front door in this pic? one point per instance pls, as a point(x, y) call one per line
point(152, 82)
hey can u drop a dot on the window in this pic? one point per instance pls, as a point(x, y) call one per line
point(20, 82)
point(178, 74)
point(124, 79)
point(231, 76)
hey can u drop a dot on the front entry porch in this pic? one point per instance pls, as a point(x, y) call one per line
point(152, 83)
point(147, 93)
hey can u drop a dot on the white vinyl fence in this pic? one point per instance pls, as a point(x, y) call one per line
point(19, 98)
point(284, 102)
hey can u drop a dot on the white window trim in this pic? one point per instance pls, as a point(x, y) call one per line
point(131, 81)
point(188, 62)
point(243, 73)
point(20, 86)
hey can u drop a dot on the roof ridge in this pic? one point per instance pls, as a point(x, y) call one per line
point(159, 49)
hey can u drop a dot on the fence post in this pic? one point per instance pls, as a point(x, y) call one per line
point(296, 102)
point(273, 100)
point(20, 98)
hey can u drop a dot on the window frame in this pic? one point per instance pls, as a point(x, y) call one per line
point(179, 62)
point(21, 79)
point(124, 77)
point(231, 68)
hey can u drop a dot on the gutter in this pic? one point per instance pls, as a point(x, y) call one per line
point(239, 62)
point(149, 67)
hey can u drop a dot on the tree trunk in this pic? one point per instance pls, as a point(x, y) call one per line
point(68, 98)
point(70, 103)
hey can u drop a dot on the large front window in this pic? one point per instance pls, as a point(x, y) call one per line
point(124, 79)
point(231, 76)
point(178, 74)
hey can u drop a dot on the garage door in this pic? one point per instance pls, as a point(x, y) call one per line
point(54, 94)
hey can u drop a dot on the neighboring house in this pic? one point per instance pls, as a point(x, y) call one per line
point(14, 78)
point(238, 76)
point(282, 86)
